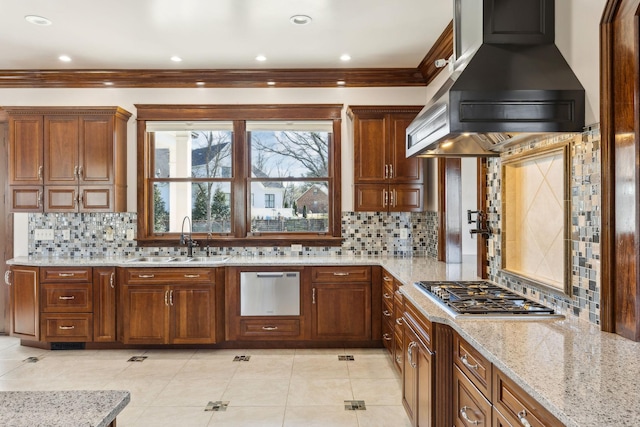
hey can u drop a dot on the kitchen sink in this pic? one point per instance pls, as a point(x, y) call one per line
point(176, 259)
point(152, 259)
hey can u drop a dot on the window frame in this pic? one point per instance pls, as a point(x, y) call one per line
point(240, 184)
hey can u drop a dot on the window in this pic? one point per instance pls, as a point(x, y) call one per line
point(216, 164)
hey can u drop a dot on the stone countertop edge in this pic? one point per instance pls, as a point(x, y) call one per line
point(583, 376)
point(64, 408)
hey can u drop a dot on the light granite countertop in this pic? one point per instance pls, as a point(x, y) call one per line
point(585, 377)
point(77, 408)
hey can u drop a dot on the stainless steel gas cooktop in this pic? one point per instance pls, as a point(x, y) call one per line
point(483, 299)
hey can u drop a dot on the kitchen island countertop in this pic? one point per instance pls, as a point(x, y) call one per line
point(68, 408)
point(583, 376)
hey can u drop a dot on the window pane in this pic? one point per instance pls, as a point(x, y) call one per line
point(289, 206)
point(204, 152)
point(289, 149)
point(208, 205)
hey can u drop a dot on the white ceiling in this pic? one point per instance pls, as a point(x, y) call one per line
point(217, 34)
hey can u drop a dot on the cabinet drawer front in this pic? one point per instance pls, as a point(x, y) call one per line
point(67, 298)
point(473, 364)
point(419, 323)
point(65, 274)
point(67, 327)
point(269, 328)
point(341, 274)
point(387, 334)
point(165, 275)
point(470, 406)
point(516, 405)
point(387, 284)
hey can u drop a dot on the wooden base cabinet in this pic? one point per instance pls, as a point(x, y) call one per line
point(169, 305)
point(104, 304)
point(24, 294)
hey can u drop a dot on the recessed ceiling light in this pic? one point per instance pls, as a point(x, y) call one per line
point(271, 83)
point(261, 58)
point(176, 59)
point(340, 82)
point(38, 20)
point(300, 19)
point(200, 83)
point(108, 83)
point(64, 58)
point(345, 57)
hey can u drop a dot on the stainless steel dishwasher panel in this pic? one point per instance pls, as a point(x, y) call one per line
point(270, 293)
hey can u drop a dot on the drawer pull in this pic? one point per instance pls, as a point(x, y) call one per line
point(171, 297)
point(399, 321)
point(111, 280)
point(191, 276)
point(166, 298)
point(146, 276)
point(387, 313)
point(463, 414)
point(343, 273)
point(386, 337)
point(313, 296)
point(522, 416)
point(62, 297)
point(466, 363)
point(269, 328)
point(386, 295)
point(66, 274)
point(66, 328)
point(387, 279)
point(6, 277)
point(399, 360)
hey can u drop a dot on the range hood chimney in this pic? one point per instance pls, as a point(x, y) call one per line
point(509, 83)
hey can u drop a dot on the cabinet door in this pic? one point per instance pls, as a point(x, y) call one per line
point(193, 314)
point(60, 150)
point(26, 198)
point(401, 168)
point(25, 308)
point(61, 198)
point(425, 386)
point(104, 304)
point(95, 199)
point(410, 374)
point(370, 150)
point(371, 197)
point(95, 150)
point(341, 311)
point(406, 197)
point(145, 314)
point(471, 407)
point(26, 160)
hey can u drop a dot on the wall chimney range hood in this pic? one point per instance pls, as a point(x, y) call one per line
point(508, 83)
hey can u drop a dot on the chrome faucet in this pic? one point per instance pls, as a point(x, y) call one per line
point(184, 240)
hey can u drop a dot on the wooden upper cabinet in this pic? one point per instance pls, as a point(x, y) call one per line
point(25, 150)
point(77, 155)
point(385, 180)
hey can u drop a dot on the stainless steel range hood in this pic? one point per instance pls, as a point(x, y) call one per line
point(508, 83)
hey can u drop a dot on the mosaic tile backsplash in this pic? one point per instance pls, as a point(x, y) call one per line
point(364, 233)
point(585, 229)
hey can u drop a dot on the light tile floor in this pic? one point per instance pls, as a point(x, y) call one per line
point(173, 387)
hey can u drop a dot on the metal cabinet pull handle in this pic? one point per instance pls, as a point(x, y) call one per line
point(398, 359)
point(466, 363)
point(386, 171)
point(393, 198)
point(40, 168)
point(39, 198)
point(399, 321)
point(171, 298)
point(64, 328)
point(111, 280)
point(75, 171)
point(387, 279)
point(410, 348)
point(191, 276)
point(522, 417)
point(269, 328)
point(340, 274)
point(386, 295)
point(386, 313)
point(146, 276)
point(166, 298)
point(64, 298)
point(385, 198)
point(463, 413)
point(386, 337)
point(66, 274)
point(80, 172)
point(313, 296)
point(6, 277)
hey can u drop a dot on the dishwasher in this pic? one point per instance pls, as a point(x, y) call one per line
point(270, 293)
